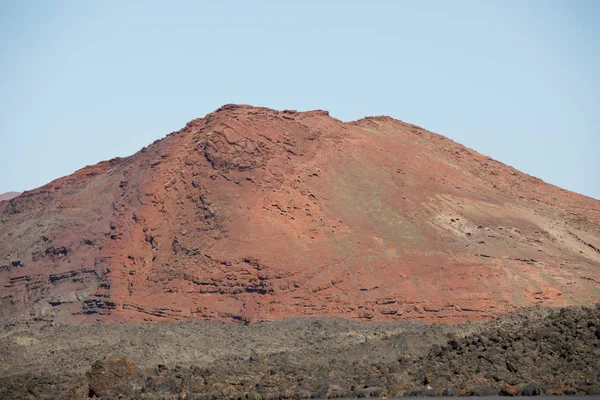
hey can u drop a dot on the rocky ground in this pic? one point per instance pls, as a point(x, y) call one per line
point(535, 351)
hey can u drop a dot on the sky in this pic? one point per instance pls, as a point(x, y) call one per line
point(85, 81)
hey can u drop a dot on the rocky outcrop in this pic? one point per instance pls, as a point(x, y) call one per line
point(557, 354)
point(254, 214)
point(115, 377)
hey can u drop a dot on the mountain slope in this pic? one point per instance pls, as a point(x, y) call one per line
point(255, 214)
point(8, 195)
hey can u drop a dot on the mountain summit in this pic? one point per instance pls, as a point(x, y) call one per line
point(254, 214)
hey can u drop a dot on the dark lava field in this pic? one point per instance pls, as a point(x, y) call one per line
point(537, 351)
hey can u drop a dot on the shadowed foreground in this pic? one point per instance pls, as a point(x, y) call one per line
point(538, 351)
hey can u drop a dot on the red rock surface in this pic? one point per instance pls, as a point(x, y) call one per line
point(254, 214)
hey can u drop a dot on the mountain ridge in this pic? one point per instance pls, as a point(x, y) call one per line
point(255, 214)
point(8, 195)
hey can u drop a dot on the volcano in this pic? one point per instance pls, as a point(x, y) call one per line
point(253, 214)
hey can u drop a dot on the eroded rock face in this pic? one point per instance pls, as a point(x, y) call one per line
point(254, 214)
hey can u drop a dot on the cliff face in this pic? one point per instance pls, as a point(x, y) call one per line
point(255, 214)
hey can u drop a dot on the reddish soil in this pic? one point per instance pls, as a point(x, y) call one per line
point(255, 214)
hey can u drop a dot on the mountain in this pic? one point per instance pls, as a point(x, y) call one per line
point(254, 214)
point(9, 195)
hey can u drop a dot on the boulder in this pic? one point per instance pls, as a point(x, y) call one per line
point(115, 377)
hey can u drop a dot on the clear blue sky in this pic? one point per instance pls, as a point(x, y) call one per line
point(84, 81)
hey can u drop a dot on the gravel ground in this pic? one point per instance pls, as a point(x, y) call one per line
point(534, 352)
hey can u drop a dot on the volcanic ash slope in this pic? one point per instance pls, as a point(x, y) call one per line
point(254, 214)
